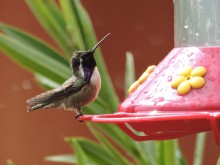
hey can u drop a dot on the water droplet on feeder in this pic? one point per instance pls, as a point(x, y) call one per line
point(169, 78)
point(186, 26)
point(159, 99)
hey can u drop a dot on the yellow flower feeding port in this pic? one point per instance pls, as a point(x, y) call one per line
point(189, 78)
point(143, 78)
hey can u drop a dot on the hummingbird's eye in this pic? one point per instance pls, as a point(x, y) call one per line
point(83, 57)
point(75, 63)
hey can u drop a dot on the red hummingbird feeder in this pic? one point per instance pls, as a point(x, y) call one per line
point(181, 95)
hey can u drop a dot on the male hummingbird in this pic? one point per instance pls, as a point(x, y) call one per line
point(82, 88)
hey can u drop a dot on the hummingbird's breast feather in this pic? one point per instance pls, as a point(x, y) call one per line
point(96, 79)
point(87, 94)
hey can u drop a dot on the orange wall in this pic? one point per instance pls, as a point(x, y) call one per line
point(142, 27)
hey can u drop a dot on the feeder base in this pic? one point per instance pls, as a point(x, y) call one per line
point(162, 125)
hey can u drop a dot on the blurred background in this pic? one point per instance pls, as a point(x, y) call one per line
point(143, 27)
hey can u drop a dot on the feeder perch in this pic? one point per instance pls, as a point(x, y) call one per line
point(180, 96)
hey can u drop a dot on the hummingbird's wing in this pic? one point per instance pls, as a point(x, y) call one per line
point(54, 97)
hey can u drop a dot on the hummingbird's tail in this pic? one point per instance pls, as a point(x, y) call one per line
point(44, 100)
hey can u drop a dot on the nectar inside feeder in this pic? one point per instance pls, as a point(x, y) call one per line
point(180, 96)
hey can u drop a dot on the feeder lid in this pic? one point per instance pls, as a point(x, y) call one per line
point(187, 79)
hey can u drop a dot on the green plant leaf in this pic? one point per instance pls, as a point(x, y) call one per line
point(34, 60)
point(93, 108)
point(119, 137)
point(83, 23)
point(56, 12)
point(81, 154)
point(218, 161)
point(89, 40)
point(166, 152)
point(117, 156)
point(91, 151)
point(61, 159)
point(52, 21)
point(45, 82)
point(32, 42)
point(72, 25)
point(99, 106)
point(179, 157)
point(147, 152)
point(169, 153)
point(129, 71)
point(199, 148)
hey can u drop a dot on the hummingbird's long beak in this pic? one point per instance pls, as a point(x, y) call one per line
point(94, 48)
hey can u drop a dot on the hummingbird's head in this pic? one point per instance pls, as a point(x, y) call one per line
point(84, 60)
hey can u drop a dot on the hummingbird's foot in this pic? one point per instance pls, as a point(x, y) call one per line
point(77, 117)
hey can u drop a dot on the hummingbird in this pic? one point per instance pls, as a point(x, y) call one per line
point(79, 90)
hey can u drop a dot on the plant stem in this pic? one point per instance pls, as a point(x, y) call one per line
point(199, 149)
